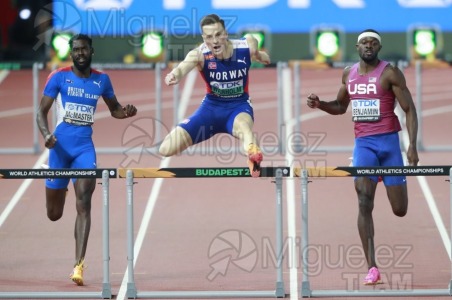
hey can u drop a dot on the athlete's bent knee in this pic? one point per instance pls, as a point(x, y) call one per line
point(164, 150)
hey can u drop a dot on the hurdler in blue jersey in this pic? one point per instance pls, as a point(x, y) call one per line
point(226, 108)
point(71, 144)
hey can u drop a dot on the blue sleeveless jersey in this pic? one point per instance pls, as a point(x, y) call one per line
point(227, 79)
point(76, 106)
point(78, 96)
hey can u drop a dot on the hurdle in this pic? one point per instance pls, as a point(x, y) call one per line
point(293, 85)
point(419, 66)
point(35, 147)
point(228, 172)
point(105, 174)
point(306, 291)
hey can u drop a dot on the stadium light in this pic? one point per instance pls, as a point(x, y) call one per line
point(327, 44)
point(60, 45)
point(152, 46)
point(259, 35)
point(25, 13)
point(424, 42)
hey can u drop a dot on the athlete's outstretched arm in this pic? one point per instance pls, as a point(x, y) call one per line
point(256, 55)
point(119, 112)
point(192, 60)
point(42, 121)
point(335, 107)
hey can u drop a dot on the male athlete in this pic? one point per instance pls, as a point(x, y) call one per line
point(372, 86)
point(71, 144)
point(224, 65)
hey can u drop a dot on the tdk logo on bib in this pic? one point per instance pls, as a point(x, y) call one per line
point(80, 107)
point(366, 103)
point(366, 110)
point(227, 89)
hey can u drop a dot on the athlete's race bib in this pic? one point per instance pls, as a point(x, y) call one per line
point(366, 110)
point(79, 114)
point(228, 89)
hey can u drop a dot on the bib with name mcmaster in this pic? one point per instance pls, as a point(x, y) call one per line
point(76, 98)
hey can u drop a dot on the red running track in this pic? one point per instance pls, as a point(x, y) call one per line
point(188, 214)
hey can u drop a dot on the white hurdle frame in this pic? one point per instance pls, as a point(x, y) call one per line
point(307, 292)
point(420, 137)
point(106, 285)
point(283, 69)
point(279, 292)
point(36, 147)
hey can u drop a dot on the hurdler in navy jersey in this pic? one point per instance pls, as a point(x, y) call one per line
point(227, 79)
point(76, 91)
point(373, 87)
point(224, 65)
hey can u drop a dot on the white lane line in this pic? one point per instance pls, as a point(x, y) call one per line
point(3, 75)
point(16, 112)
point(22, 189)
point(436, 111)
point(435, 212)
point(431, 203)
point(155, 191)
point(290, 188)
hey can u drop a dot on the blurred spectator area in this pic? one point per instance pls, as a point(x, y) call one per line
point(18, 33)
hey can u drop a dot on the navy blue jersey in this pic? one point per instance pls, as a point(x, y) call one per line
point(227, 79)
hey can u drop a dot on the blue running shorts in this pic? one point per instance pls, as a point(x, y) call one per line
point(214, 117)
point(382, 150)
point(75, 151)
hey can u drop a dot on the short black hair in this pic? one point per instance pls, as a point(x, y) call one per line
point(80, 36)
point(211, 19)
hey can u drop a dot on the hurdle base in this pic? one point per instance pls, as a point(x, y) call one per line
point(206, 294)
point(280, 292)
point(381, 293)
point(131, 291)
point(305, 289)
point(106, 291)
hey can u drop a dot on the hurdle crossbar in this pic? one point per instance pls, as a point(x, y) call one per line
point(105, 174)
point(306, 291)
point(210, 172)
point(56, 173)
point(130, 174)
point(373, 171)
